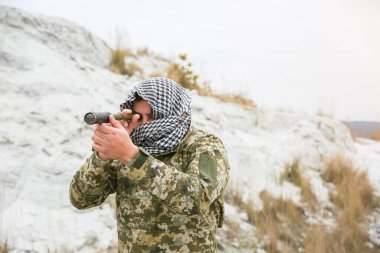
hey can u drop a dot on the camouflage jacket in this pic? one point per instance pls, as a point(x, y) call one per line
point(169, 203)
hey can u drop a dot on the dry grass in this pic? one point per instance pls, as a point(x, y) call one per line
point(347, 237)
point(143, 51)
point(233, 229)
point(117, 63)
point(354, 198)
point(281, 221)
point(156, 74)
point(325, 113)
point(234, 99)
point(316, 240)
point(250, 210)
point(4, 247)
point(133, 69)
point(234, 195)
point(182, 73)
point(353, 192)
point(281, 226)
point(293, 174)
point(375, 135)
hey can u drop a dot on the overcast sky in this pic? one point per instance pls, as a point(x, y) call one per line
point(321, 55)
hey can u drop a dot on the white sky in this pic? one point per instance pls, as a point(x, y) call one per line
point(320, 55)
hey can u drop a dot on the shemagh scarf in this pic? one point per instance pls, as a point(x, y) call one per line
point(170, 105)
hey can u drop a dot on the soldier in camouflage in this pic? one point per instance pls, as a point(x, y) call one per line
point(168, 176)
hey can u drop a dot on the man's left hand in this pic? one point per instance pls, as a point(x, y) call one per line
point(112, 141)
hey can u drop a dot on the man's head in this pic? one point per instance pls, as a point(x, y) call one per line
point(165, 117)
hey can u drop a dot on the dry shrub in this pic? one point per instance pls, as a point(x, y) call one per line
point(279, 219)
point(233, 228)
point(272, 246)
point(353, 192)
point(182, 73)
point(250, 210)
point(234, 195)
point(293, 174)
point(133, 69)
point(354, 198)
point(4, 247)
point(117, 63)
point(156, 74)
point(316, 240)
point(375, 135)
point(235, 99)
point(325, 113)
point(349, 236)
point(143, 51)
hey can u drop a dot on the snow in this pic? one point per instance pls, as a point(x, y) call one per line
point(52, 72)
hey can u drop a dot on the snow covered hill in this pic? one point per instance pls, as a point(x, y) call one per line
point(53, 71)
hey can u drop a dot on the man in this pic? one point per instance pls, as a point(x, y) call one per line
point(168, 176)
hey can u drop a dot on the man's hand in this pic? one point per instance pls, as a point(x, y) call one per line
point(133, 122)
point(112, 141)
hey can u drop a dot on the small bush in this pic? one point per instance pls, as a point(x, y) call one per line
point(143, 51)
point(4, 247)
point(293, 174)
point(233, 229)
point(182, 73)
point(316, 240)
point(353, 192)
point(280, 220)
point(133, 69)
point(235, 99)
point(375, 135)
point(250, 210)
point(234, 195)
point(354, 197)
point(117, 63)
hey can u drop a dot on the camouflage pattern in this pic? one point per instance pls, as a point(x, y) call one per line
point(169, 203)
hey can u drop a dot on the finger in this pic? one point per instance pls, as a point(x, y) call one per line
point(124, 123)
point(127, 111)
point(104, 128)
point(103, 138)
point(97, 147)
point(135, 118)
point(97, 138)
point(115, 123)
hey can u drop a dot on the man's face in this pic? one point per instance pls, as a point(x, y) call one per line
point(141, 107)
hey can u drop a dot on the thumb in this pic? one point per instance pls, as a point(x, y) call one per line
point(115, 123)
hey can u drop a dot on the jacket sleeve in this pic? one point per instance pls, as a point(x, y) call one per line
point(92, 183)
point(184, 192)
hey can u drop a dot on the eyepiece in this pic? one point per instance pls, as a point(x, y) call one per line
point(90, 118)
point(96, 117)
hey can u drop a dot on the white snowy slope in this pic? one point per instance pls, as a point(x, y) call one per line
point(53, 71)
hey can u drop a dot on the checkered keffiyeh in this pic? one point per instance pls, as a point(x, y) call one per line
point(170, 105)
